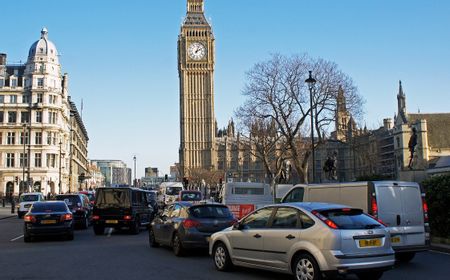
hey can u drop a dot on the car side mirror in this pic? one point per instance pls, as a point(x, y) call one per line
point(237, 226)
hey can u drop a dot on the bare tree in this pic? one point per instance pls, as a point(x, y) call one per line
point(276, 92)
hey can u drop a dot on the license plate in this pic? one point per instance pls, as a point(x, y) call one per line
point(112, 221)
point(395, 239)
point(370, 242)
point(46, 222)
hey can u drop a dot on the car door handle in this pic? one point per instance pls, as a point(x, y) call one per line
point(290, 236)
point(257, 236)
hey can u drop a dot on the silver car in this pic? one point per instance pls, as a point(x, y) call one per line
point(310, 240)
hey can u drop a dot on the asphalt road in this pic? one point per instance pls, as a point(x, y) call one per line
point(122, 256)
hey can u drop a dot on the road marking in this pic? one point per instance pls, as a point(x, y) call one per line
point(439, 252)
point(110, 231)
point(14, 239)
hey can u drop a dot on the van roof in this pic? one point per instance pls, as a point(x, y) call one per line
point(354, 184)
point(316, 205)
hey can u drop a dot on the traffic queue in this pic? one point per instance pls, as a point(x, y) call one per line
point(316, 231)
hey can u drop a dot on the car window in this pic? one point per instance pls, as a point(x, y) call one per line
point(48, 207)
point(258, 219)
point(28, 198)
point(71, 200)
point(113, 198)
point(210, 211)
point(296, 195)
point(305, 220)
point(187, 196)
point(285, 218)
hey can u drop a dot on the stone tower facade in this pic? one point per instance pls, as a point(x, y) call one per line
point(196, 74)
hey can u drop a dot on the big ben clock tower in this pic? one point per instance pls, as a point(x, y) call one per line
point(196, 73)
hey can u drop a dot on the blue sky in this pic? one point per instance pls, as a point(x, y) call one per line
point(121, 57)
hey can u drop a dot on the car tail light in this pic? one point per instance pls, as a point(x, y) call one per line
point(188, 223)
point(425, 209)
point(324, 219)
point(95, 217)
point(127, 218)
point(66, 217)
point(374, 206)
point(29, 218)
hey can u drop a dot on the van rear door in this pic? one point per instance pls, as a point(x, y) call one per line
point(412, 217)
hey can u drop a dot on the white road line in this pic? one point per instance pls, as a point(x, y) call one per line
point(439, 252)
point(14, 239)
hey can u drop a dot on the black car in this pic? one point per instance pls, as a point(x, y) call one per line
point(48, 218)
point(184, 225)
point(121, 207)
point(80, 207)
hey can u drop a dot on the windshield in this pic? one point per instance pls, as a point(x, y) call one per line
point(173, 190)
point(248, 191)
point(351, 219)
point(191, 196)
point(210, 211)
point(113, 198)
point(48, 207)
point(70, 200)
point(29, 197)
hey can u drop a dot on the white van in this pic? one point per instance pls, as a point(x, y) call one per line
point(242, 197)
point(400, 206)
point(26, 200)
point(168, 192)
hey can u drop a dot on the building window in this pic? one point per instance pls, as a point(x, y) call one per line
point(52, 99)
point(49, 138)
point(1, 116)
point(23, 160)
point(51, 160)
point(52, 117)
point(27, 139)
point(9, 160)
point(1, 138)
point(38, 160)
point(11, 140)
point(2, 83)
point(13, 83)
point(2, 99)
point(25, 98)
point(38, 116)
point(12, 117)
point(39, 98)
point(13, 99)
point(38, 138)
point(24, 117)
point(40, 82)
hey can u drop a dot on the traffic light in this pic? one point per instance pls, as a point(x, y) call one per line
point(166, 178)
point(16, 179)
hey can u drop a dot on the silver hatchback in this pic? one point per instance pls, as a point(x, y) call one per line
point(308, 240)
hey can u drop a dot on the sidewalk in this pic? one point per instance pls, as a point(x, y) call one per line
point(5, 212)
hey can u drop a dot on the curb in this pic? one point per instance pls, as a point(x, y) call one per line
point(440, 248)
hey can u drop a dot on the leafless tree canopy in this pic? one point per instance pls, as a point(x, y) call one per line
point(276, 93)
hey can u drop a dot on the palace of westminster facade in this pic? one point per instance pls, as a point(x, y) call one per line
point(43, 141)
point(358, 153)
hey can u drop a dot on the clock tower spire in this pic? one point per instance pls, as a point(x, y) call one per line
point(196, 73)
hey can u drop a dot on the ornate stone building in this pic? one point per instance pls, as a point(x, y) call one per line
point(36, 124)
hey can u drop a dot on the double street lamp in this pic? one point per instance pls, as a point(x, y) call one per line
point(311, 82)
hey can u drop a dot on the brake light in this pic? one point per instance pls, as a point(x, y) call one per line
point(96, 217)
point(29, 218)
point(324, 219)
point(127, 217)
point(66, 217)
point(188, 223)
point(374, 206)
point(425, 209)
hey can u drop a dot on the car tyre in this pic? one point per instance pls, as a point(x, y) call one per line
point(177, 246)
point(373, 275)
point(70, 236)
point(99, 230)
point(27, 238)
point(151, 238)
point(405, 257)
point(85, 224)
point(306, 268)
point(136, 227)
point(221, 257)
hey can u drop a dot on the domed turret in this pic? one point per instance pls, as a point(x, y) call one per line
point(43, 49)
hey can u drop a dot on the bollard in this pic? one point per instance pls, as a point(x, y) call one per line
point(4, 202)
point(13, 206)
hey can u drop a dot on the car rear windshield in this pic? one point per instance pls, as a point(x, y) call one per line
point(351, 219)
point(30, 197)
point(173, 190)
point(187, 196)
point(48, 207)
point(113, 198)
point(71, 200)
point(210, 211)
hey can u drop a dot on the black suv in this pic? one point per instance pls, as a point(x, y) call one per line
point(121, 207)
point(80, 207)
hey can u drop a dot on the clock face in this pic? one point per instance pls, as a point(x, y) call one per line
point(196, 51)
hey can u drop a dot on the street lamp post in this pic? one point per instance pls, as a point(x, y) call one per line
point(60, 163)
point(311, 82)
point(135, 182)
point(22, 185)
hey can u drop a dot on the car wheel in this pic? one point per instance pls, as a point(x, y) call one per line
point(135, 228)
point(151, 238)
point(306, 268)
point(70, 236)
point(405, 257)
point(373, 275)
point(99, 230)
point(222, 260)
point(177, 246)
point(26, 238)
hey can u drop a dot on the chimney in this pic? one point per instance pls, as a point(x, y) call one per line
point(388, 123)
point(2, 58)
